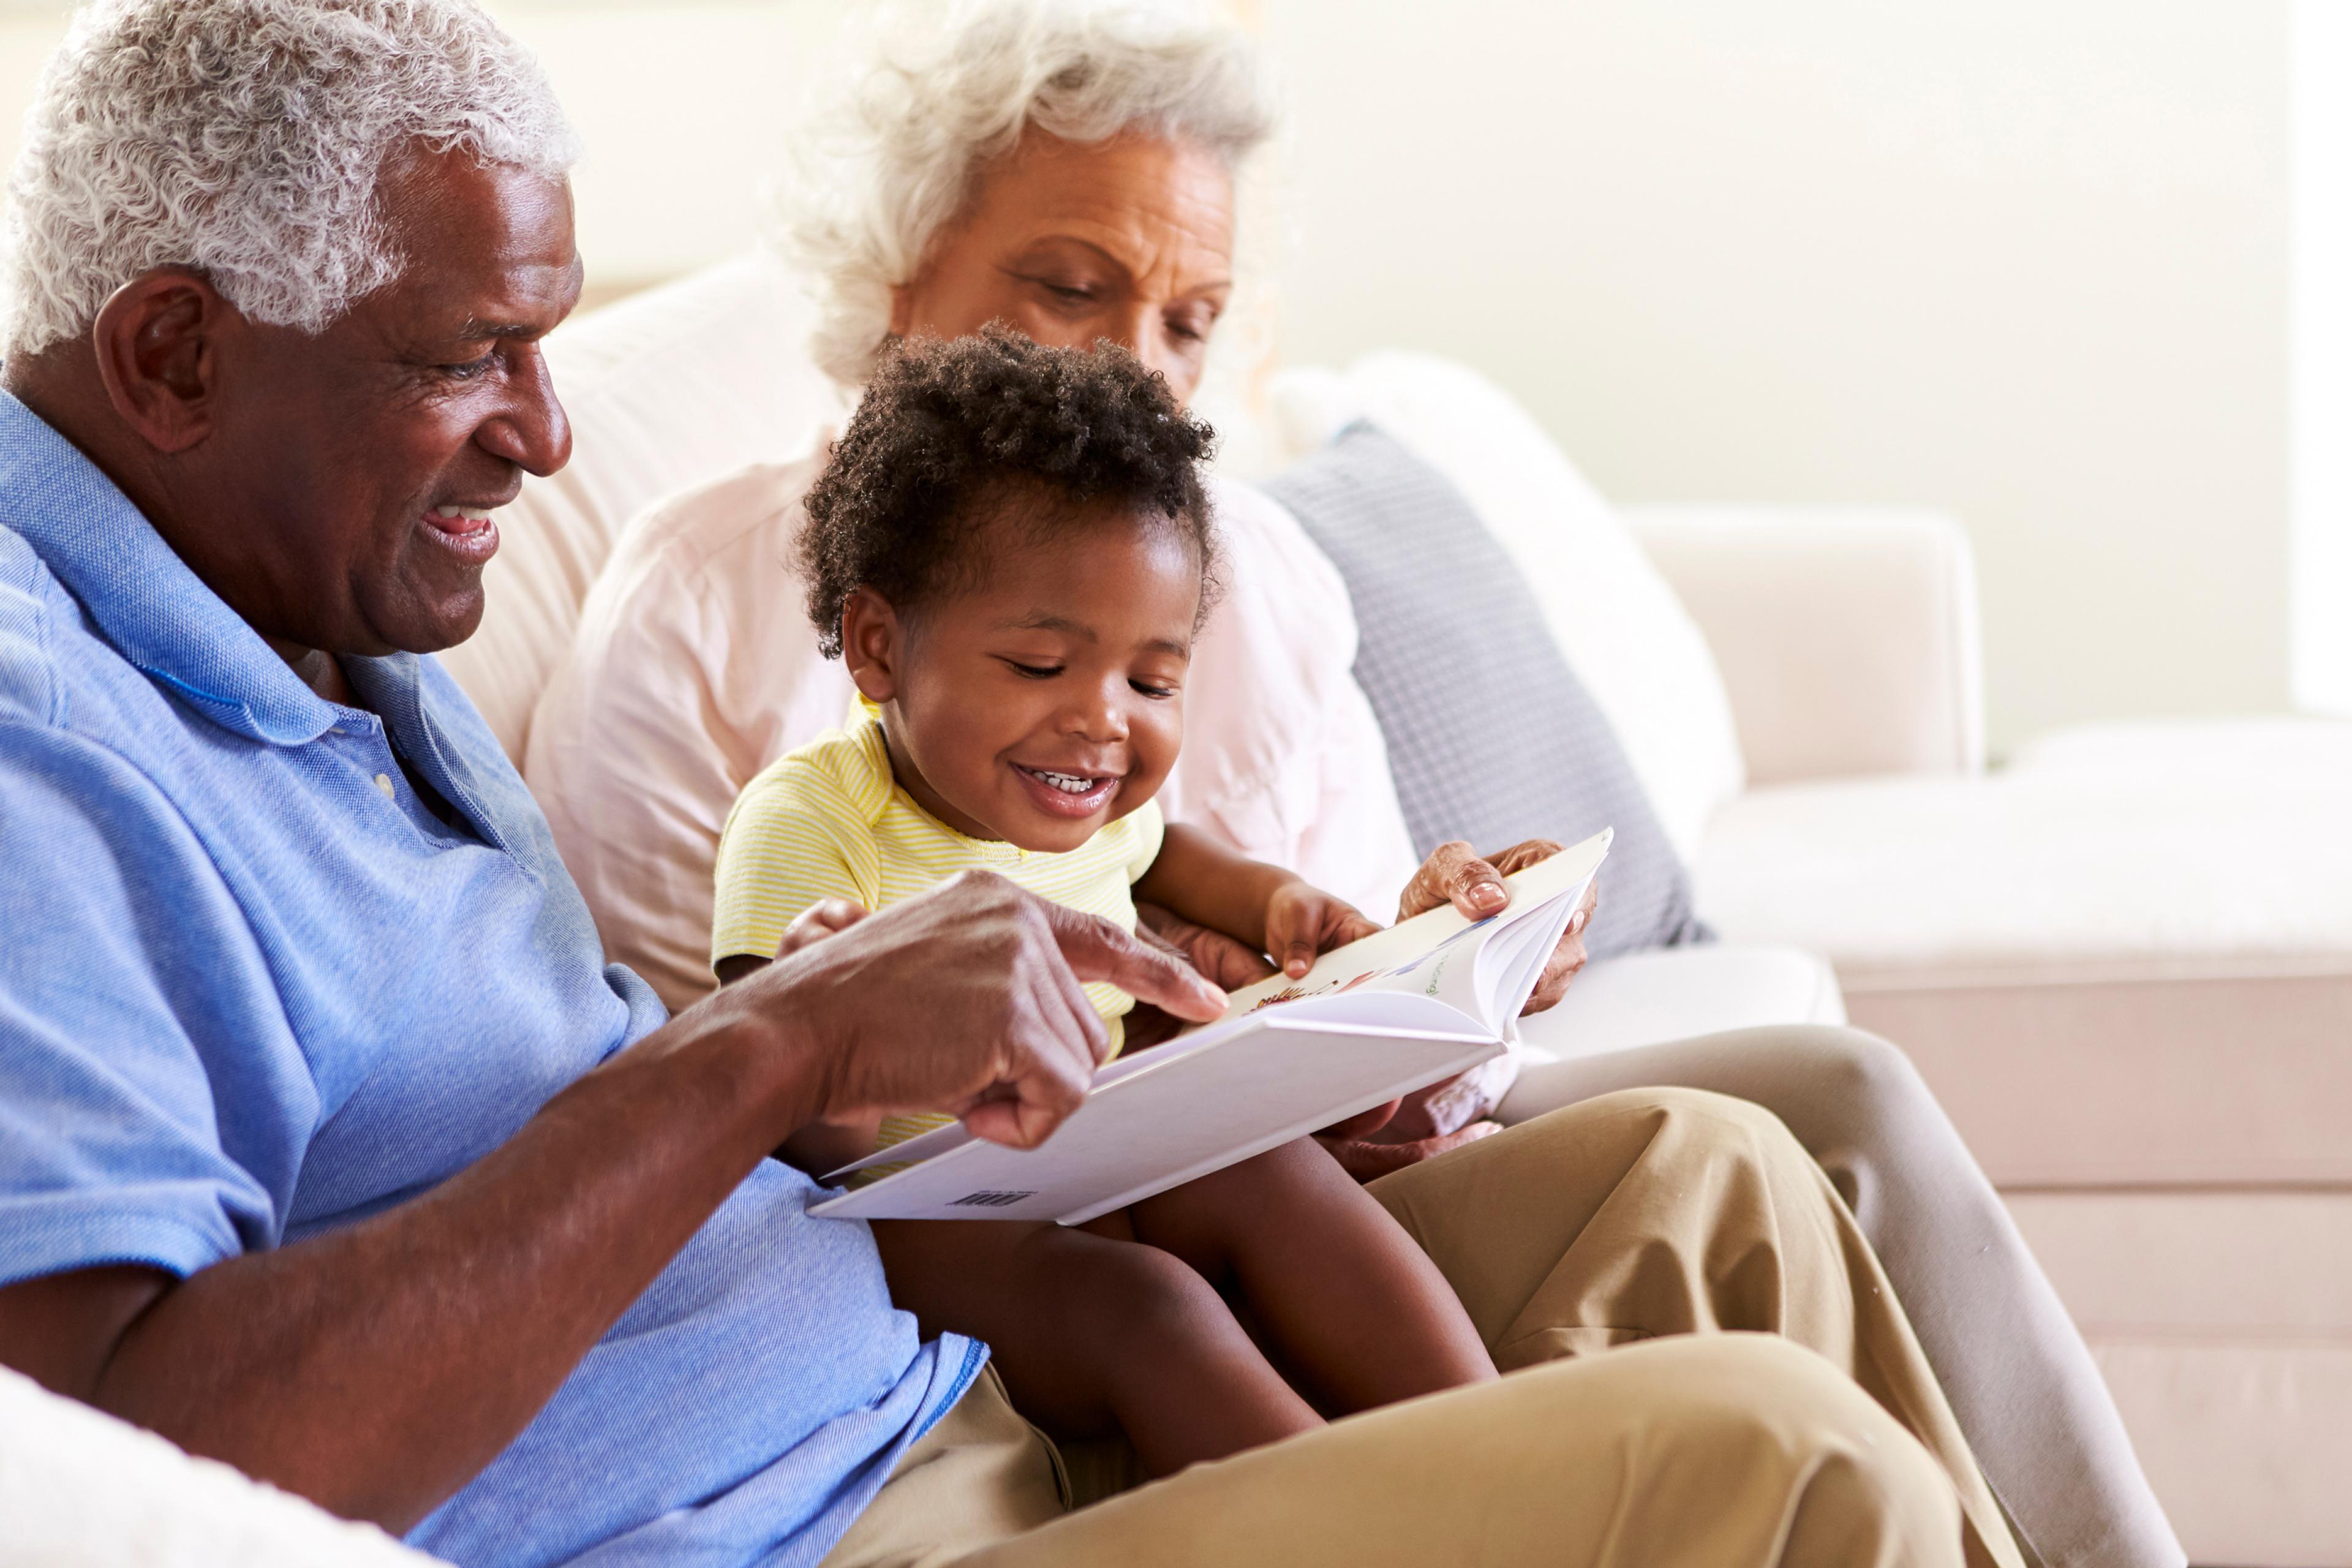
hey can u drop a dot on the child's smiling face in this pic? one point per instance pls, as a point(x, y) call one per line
point(1046, 700)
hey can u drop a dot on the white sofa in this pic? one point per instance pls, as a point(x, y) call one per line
point(2124, 960)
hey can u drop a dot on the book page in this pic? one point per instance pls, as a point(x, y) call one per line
point(1439, 954)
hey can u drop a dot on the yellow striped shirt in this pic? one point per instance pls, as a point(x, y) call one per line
point(828, 821)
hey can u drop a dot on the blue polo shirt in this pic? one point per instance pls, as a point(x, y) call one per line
point(252, 988)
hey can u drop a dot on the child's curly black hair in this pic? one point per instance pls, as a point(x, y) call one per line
point(950, 431)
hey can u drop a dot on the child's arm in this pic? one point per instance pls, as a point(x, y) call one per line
point(1266, 906)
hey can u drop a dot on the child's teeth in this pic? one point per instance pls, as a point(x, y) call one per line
point(1066, 782)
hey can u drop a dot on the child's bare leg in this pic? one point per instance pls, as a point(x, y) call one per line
point(1355, 1308)
point(1092, 1334)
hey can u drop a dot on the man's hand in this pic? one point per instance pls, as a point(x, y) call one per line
point(966, 1000)
point(1303, 922)
point(1457, 874)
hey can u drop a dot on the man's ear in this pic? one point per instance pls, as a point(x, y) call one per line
point(873, 640)
point(158, 354)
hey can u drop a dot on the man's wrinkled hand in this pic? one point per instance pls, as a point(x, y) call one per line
point(968, 999)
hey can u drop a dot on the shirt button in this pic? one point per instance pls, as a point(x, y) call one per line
point(383, 782)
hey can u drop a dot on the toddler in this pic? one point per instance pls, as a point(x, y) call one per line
point(1013, 552)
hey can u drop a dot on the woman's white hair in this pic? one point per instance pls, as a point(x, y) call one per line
point(245, 139)
point(884, 168)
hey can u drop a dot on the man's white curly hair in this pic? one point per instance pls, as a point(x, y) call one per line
point(245, 139)
point(889, 164)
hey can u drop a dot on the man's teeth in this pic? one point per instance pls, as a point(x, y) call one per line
point(453, 513)
point(1068, 784)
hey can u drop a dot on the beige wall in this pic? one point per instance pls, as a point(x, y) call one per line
point(681, 102)
point(682, 106)
point(2021, 259)
point(2024, 259)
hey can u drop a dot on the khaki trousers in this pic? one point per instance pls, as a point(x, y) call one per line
point(2036, 1412)
point(1642, 1224)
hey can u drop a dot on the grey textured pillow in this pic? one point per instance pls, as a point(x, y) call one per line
point(1491, 736)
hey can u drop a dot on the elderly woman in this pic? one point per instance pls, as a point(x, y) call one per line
point(1070, 168)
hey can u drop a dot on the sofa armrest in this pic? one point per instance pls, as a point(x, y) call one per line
point(1849, 638)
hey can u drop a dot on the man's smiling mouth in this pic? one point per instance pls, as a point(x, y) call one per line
point(469, 532)
point(461, 519)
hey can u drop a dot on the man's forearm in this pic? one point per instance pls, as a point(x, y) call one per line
point(377, 1369)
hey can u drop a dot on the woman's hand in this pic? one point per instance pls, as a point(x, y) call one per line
point(1215, 955)
point(1303, 922)
point(1473, 883)
point(1220, 959)
point(1425, 1122)
point(1369, 1161)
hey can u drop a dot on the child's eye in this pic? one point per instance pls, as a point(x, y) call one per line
point(1035, 671)
point(1154, 690)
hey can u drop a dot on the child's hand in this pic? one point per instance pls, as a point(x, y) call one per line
point(1302, 921)
point(827, 917)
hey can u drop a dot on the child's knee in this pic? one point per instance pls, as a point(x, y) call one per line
point(1149, 1293)
point(1299, 1169)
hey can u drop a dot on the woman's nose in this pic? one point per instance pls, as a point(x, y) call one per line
point(1138, 333)
point(1143, 332)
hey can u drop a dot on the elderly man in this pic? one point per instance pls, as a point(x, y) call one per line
point(333, 1149)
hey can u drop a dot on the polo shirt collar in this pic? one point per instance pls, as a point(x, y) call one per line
point(156, 612)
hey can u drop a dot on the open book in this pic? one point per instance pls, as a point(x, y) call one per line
point(1410, 1006)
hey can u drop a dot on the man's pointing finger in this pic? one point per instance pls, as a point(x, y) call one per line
point(1097, 950)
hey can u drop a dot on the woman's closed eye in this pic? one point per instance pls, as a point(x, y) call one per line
point(1064, 290)
point(1192, 326)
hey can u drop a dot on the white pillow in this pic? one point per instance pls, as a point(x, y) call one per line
point(665, 389)
point(81, 1489)
point(1615, 619)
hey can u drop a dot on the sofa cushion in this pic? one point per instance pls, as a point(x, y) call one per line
point(664, 389)
point(1679, 994)
point(1608, 608)
point(2127, 959)
point(1491, 737)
